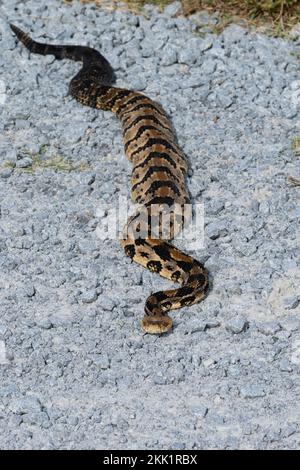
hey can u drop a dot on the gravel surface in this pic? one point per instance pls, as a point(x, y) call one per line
point(76, 370)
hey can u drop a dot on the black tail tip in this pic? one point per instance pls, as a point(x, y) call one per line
point(18, 32)
point(13, 27)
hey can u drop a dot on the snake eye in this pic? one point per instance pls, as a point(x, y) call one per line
point(166, 306)
point(130, 250)
point(176, 276)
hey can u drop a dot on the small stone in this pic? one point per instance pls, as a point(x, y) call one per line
point(74, 420)
point(133, 20)
point(102, 360)
point(138, 84)
point(206, 44)
point(291, 324)
point(207, 363)
point(172, 9)
point(169, 55)
point(244, 248)
point(224, 100)
point(188, 55)
point(285, 366)
point(237, 325)
point(107, 304)
point(199, 410)
point(40, 418)
point(252, 391)
point(28, 290)
point(216, 229)
point(3, 330)
point(208, 67)
point(22, 124)
point(10, 155)
point(291, 302)
point(148, 47)
point(159, 380)
point(212, 324)
point(24, 162)
point(5, 172)
point(268, 328)
point(87, 247)
point(198, 328)
point(33, 148)
point(213, 307)
point(74, 132)
point(288, 430)
point(28, 404)
point(125, 382)
point(89, 296)
point(44, 323)
point(233, 33)
point(215, 207)
point(16, 420)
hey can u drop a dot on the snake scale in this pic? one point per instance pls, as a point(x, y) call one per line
point(158, 180)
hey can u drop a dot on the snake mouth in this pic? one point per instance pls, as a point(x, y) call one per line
point(156, 324)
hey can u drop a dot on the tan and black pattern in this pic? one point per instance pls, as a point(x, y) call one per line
point(158, 180)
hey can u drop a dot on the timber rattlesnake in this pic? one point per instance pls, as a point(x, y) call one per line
point(158, 179)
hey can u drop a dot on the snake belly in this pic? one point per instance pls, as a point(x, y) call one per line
point(158, 180)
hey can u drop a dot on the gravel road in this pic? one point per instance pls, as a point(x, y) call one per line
point(76, 370)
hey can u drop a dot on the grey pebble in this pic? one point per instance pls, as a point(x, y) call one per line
point(233, 33)
point(268, 328)
point(216, 229)
point(107, 304)
point(208, 67)
point(285, 366)
point(237, 325)
point(224, 99)
point(199, 410)
point(22, 124)
point(138, 84)
point(5, 172)
point(74, 132)
point(291, 302)
point(28, 404)
point(9, 154)
point(252, 391)
point(89, 296)
point(169, 55)
point(190, 53)
point(172, 9)
point(87, 247)
point(24, 162)
point(159, 380)
point(206, 44)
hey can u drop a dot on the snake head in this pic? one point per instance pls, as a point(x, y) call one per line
point(156, 324)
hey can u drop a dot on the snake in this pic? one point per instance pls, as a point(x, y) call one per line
point(158, 181)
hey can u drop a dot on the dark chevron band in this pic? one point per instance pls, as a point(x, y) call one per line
point(142, 117)
point(156, 185)
point(165, 156)
point(155, 141)
point(151, 171)
point(134, 109)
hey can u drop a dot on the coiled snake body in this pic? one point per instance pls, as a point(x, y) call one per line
point(158, 179)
